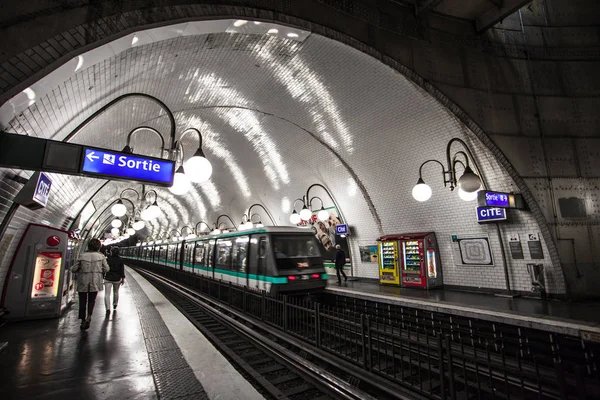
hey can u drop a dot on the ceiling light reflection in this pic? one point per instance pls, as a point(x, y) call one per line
point(239, 22)
point(79, 63)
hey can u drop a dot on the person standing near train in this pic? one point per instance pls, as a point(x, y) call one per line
point(340, 261)
point(90, 268)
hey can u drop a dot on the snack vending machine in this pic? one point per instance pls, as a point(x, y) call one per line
point(38, 283)
point(410, 260)
point(389, 273)
point(421, 267)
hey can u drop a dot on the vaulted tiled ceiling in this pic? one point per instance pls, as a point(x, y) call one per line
point(276, 115)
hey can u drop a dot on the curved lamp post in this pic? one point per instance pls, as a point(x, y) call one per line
point(265, 210)
point(226, 216)
point(199, 223)
point(468, 184)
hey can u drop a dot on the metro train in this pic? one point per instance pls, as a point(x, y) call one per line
point(274, 259)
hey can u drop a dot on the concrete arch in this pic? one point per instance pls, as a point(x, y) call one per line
point(180, 11)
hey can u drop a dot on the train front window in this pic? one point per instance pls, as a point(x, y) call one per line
point(296, 252)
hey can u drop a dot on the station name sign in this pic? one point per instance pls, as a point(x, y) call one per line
point(127, 166)
point(490, 214)
point(486, 198)
point(42, 190)
point(341, 229)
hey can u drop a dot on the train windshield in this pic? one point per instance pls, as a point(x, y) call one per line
point(296, 252)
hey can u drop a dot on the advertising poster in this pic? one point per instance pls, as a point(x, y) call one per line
point(46, 276)
point(368, 253)
point(325, 233)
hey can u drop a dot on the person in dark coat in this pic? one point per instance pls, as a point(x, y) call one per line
point(114, 278)
point(340, 261)
point(89, 267)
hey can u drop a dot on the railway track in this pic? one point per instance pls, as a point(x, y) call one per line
point(279, 369)
point(411, 352)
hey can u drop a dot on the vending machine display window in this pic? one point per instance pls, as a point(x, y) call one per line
point(388, 263)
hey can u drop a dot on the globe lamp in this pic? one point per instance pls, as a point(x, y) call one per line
point(137, 225)
point(421, 191)
point(305, 214)
point(118, 209)
point(295, 218)
point(323, 214)
point(198, 168)
point(130, 231)
point(469, 181)
point(116, 223)
point(181, 182)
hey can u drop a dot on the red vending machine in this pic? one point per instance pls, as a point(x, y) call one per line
point(419, 260)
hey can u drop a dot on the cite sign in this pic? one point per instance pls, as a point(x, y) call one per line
point(127, 166)
point(42, 190)
point(490, 214)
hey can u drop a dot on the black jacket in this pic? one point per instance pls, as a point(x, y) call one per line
point(340, 258)
point(117, 269)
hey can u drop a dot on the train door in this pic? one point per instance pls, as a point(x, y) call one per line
point(262, 263)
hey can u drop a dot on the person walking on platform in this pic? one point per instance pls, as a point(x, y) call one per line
point(340, 261)
point(90, 268)
point(113, 279)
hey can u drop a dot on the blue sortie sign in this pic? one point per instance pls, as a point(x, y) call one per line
point(496, 199)
point(128, 166)
point(42, 189)
point(490, 214)
point(341, 229)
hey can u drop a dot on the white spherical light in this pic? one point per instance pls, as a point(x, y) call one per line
point(153, 212)
point(469, 181)
point(260, 225)
point(421, 191)
point(130, 231)
point(137, 225)
point(295, 218)
point(116, 223)
point(119, 209)
point(198, 169)
point(181, 183)
point(216, 232)
point(242, 227)
point(114, 231)
point(323, 215)
point(467, 196)
point(305, 214)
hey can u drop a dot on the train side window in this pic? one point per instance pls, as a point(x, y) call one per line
point(223, 256)
point(208, 250)
point(199, 257)
point(240, 251)
point(262, 247)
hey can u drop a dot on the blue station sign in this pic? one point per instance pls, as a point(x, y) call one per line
point(112, 164)
point(490, 214)
point(341, 229)
point(486, 198)
point(42, 190)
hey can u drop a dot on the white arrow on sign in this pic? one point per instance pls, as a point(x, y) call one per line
point(91, 156)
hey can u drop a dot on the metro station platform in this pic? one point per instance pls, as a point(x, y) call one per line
point(571, 318)
point(145, 350)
